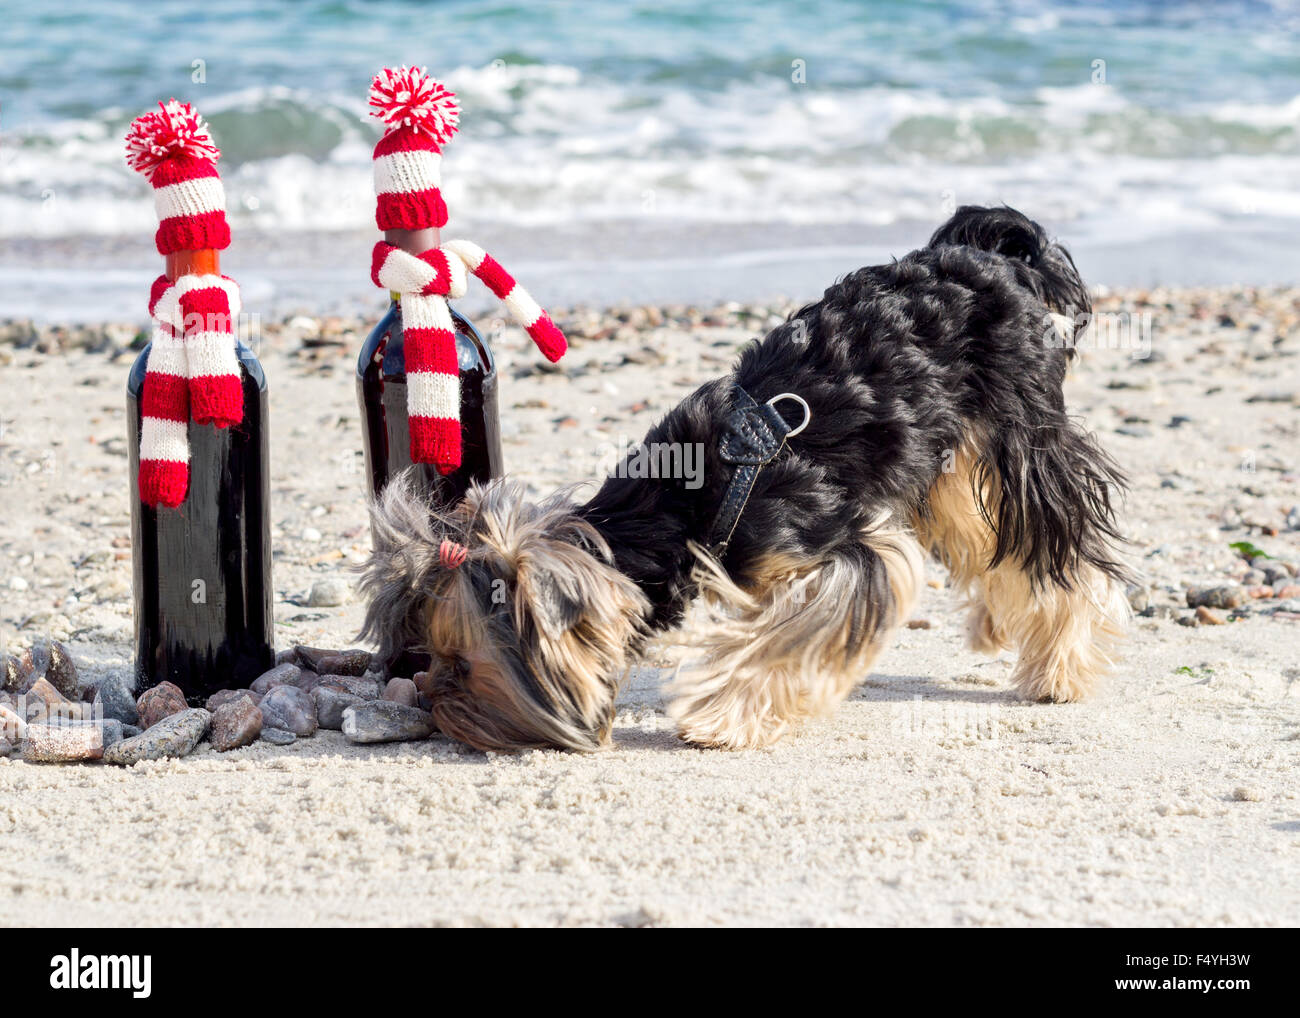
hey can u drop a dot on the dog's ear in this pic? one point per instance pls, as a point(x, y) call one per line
point(554, 597)
point(404, 567)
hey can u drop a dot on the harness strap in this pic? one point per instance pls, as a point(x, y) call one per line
point(753, 436)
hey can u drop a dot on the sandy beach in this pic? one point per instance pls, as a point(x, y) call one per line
point(932, 797)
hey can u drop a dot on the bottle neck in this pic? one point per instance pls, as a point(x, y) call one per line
point(205, 262)
point(414, 242)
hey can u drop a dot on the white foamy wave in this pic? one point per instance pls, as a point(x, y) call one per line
point(546, 143)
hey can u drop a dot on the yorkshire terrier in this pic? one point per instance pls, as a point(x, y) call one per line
point(916, 407)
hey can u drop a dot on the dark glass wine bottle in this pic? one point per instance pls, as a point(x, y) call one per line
point(202, 571)
point(386, 437)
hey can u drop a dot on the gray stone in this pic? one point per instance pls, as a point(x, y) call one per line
point(345, 662)
point(278, 737)
point(329, 592)
point(382, 721)
point(330, 705)
point(6, 747)
point(113, 731)
point(289, 708)
point(1139, 597)
point(235, 724)
point(1228, 595)
point(61, 672)
point(281, 675)
point(116, 700)
point(358, 685)
point(173, 736)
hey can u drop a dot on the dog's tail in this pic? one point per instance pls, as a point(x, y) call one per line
point(1042, 266)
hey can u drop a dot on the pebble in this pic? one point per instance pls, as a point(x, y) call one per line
point(401, 691)
point(43, 694)
point(289, 708)
point(1289, 591)
point(278, 737)
point(224, 696)
point(1226, 596)
point(1208, 618)
point(234, 724)
point(12, 727)
point(116, 700)
point(113, 731)
point(328, 593)
point(162, 701)
point(281, 675)
point(64, 742)
point(1134, 431)
point(918, 624)
point(311, 657)
point(1277, 573)
point(330, 705)
point(6, 747)
point(1244, 794)
point(14, 677)
point(174, 736)
point(61, 672)
point(364, 686)
point(1139, 597)
point(345, 662)
point(381, 721)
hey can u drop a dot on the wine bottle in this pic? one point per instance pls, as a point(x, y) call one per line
point(386, 434)
point(382, 396)
point(202, 571)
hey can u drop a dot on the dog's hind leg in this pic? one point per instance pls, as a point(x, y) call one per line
point(793, 645)
point(1066, 627)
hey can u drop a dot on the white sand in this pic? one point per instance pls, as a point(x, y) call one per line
point(931, 797)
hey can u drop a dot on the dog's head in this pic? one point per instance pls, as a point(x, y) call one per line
point(530, 626)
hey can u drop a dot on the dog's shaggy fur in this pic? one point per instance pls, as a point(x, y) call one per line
point(937, 423)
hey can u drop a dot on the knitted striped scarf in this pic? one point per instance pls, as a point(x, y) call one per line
point(425, 282)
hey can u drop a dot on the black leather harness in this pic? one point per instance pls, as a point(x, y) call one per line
point(752, 437)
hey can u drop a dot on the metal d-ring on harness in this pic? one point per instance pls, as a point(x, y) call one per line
point(753, 436)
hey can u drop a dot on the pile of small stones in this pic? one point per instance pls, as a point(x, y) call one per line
point(55, 717)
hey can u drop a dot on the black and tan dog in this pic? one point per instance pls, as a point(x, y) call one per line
point(917, 405)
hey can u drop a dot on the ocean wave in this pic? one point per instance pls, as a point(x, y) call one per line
point(547, 143)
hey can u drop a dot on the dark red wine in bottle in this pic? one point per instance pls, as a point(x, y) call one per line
point(386, 436)
point(202, 571)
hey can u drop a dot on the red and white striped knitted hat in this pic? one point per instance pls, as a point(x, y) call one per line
point(174, 150)
point(420, 116)
point(193, 369)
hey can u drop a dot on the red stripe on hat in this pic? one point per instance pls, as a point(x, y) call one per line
point(413, 210)
point(405, 140)
point(166, 397)
point(494, 277)
point(431, 350)
point(179, 168)
point(193, 233)
point(437, 441)
point(163, 482)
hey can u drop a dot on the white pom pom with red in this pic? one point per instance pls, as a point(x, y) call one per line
point(408, 97)
point(175, 130)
